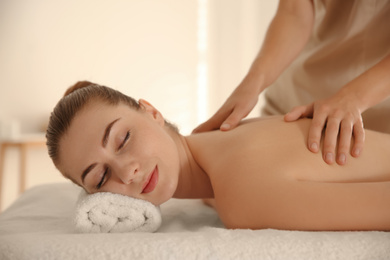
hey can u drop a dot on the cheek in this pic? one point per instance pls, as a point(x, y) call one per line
point(160, 144)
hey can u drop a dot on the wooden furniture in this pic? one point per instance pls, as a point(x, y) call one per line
point(22, 143)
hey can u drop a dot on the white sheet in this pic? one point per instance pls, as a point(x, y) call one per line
point(38, 226)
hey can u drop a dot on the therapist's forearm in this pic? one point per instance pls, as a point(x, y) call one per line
point(372, 86)
point(287, 35)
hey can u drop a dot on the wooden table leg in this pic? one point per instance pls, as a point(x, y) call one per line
point(23, 144)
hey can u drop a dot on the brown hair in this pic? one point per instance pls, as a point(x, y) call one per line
point(75, 98)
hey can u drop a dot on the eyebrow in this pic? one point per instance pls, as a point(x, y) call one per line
point(104, 144)
point(86, 171)
point(107, 132)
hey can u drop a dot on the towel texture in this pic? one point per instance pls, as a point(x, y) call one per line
point(106, 212)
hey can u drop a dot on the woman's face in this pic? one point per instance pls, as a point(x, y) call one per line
point(118, 149)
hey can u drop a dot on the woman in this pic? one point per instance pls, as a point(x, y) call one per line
point(260, 174)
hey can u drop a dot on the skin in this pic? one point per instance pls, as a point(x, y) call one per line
point(130, 166)
point(260, 174)
point(150, 144)
point(286, 37)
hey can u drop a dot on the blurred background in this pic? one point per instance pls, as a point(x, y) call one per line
point(183, 56)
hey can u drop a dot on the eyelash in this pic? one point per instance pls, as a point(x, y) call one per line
point(124, 140)
point(100, 184)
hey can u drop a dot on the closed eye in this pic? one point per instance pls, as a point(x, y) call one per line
point(124, 140)
point(102, 181)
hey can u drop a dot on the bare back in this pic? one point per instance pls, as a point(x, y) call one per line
point(263, 176)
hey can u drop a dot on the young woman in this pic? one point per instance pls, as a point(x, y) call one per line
point(260, 173)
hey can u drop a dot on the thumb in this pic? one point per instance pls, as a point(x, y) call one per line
point(299, 112)
point(209, 125)
point(213, 123)
point(233, 120)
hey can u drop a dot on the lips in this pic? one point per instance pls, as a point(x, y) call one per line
point(151, 183)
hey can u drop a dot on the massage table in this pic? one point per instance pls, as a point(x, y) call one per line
point(38, 225)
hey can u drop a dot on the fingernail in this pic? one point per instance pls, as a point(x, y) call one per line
point(329, 157)
point(314, 147)
point(225, 126)
point(342, 158)
point(356, 151)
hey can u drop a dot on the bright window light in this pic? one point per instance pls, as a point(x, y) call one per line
point(202, 93)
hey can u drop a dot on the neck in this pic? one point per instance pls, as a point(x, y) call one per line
point(193, 180)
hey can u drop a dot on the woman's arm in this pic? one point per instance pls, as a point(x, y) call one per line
point(286, 36)
point(342, 113)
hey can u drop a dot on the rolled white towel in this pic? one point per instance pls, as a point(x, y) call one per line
point(106, 212)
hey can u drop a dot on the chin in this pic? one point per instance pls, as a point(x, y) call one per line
point(164, 194)
point(159, 200)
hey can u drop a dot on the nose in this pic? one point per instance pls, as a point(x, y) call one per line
point(126, 172)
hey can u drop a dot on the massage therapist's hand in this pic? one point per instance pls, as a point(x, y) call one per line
point(239, 104)
point(340, 118)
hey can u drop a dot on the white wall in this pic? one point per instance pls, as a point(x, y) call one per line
point(147, 49)
point(144, 48)
point(236, 33)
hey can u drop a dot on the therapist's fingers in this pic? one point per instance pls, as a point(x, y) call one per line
point(344, 143)
point(315, 132)
point(204, 127)
point(359, 136)
point(224, 119)
point(298, 112)
point(213, 123)
point(236, 107)
point(330, 139)
point(235, 117)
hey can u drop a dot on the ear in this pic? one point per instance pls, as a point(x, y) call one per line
point(148, 108)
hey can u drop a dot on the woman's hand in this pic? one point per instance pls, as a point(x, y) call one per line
point(239, 104)
point(339, 118)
